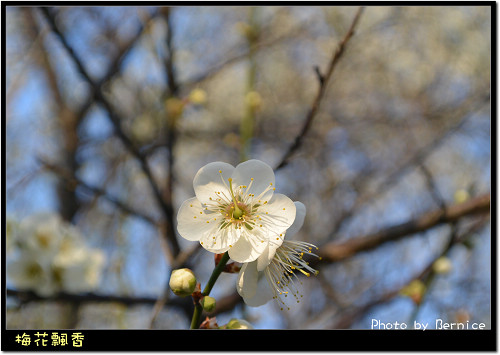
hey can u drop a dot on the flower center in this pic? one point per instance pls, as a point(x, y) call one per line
point(237, 212)
point(34, 271)
point(240, 208)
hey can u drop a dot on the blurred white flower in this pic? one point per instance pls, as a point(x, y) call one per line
point(272, 275)
point(49, 255)
point(79, 269)
point(29, 272)
point(41, 233)
point(11, 231)
point(236, 210)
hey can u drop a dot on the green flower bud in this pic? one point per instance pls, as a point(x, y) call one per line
point(238, 324)
point(415, 290)
point(182, 282)
point(208, 303)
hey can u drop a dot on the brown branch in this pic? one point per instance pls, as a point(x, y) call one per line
point(72, 182)
point(172, 126)
point(335, 251)
point(425, 274)
point(415, 160)
point(30, 296)
point(169, 61)
point(323, 80)
point(265, 41)
point(127, 142)
point(114, 68)
point(67, 200)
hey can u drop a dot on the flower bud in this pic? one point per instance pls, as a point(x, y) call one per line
point(442, 265)
point(182, 282)
point(415, 290)
point(198, 97)
point(461, 196)
point(208, 303)
point(238, 324)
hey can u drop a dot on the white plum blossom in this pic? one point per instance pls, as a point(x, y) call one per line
point(41, 233)
point(11, 230)
point(272, 275)
point(49, 255)
point(78, 269)
point(236, 210)
point(27, 271)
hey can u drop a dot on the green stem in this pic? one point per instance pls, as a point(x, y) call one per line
point(195, 321)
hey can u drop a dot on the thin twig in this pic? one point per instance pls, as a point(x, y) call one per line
point(350, 316)
point(116, 121)
point(418, 158)
point(180, 261)
point(114, 67)
point(323, 80)
point(72, 182)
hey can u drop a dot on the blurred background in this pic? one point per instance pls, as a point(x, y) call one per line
point(378, 120)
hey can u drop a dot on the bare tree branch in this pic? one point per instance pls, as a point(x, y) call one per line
point(29, 296)
point(323, 80)
point(335, 251)
point(127, 142)
point(72, 182)
point(415, 160)
point(354, 313)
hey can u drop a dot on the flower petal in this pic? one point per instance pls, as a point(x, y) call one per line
point(211, 178)
point(300, 215)
point(262, 295)
point(220, 240)
point(192, 222)
point(262, 174)
point(249, 247)
point(277, 216)
point(247, 280)
point(268, 254)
